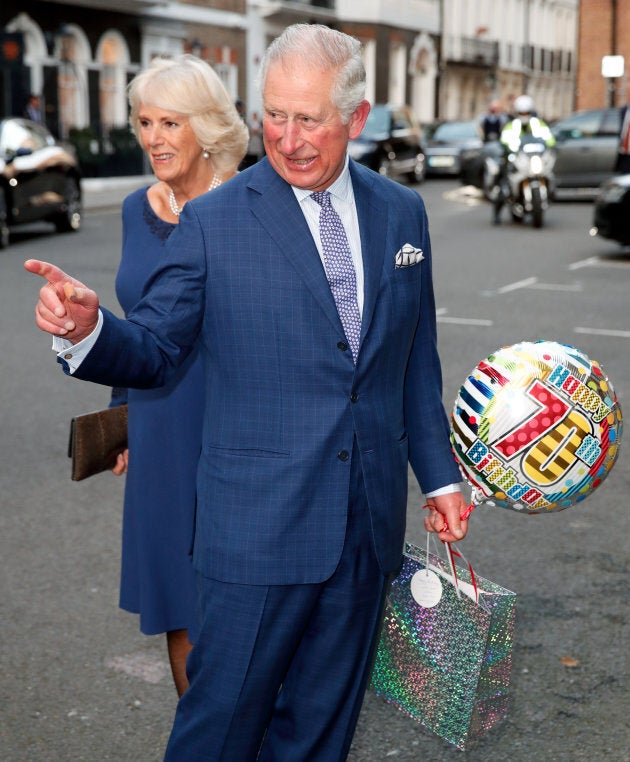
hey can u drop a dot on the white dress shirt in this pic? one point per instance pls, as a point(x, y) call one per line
point(342, 200)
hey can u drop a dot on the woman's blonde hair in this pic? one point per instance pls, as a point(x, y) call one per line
point(189, 86)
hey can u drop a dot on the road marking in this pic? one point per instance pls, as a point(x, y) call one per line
point(597, 262)
point(557, 286)
point(533, 283)
point(584, 263)
point(464, 321)
point(526, 283)
point(603, 332)
point(441, 317)
point(466, 194)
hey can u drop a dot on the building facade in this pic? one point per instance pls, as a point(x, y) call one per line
point(497, 51)
point(400, 43)
point(445, 58)
point(80, 56)
point(604, 31)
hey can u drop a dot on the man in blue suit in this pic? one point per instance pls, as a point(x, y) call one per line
point(311, 421)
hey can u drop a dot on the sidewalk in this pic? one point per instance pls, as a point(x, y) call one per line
point(104, 192)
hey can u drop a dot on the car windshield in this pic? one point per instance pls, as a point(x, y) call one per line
point(579, 125)
point(452, 131)
point(586, 124)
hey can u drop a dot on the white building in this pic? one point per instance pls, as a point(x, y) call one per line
point(493, 49)
point(445, 58)
point(400, 39)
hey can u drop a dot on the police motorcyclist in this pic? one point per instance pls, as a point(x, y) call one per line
point(524, 123)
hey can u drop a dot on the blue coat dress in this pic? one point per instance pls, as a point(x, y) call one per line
point(157, 578)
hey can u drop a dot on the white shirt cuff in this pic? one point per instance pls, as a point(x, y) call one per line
point(74, 354)
point(443, 490)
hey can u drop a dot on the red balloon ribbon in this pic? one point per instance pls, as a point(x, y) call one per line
point(473, 579)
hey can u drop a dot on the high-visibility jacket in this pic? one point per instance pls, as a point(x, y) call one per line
point(511, 133)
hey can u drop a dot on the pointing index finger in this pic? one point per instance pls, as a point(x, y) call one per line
point(51, 273)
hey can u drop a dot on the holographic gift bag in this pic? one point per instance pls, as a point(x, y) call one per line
point(446, 663)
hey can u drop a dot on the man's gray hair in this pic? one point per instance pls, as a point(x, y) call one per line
point(323, 48)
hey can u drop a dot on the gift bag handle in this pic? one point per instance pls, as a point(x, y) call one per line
point(451, 555)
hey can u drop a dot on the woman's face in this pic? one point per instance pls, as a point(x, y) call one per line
point(170, 143)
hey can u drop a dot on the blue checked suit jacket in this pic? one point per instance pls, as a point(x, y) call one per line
point(284, 399)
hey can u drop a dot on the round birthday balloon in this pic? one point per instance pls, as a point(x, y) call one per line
point(536, 427)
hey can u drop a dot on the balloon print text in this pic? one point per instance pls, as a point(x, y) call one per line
point(504, 478)
point(579, 392)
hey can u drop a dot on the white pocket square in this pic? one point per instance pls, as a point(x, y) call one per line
point(408, 256)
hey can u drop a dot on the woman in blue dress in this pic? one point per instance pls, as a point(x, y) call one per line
point(194, 138)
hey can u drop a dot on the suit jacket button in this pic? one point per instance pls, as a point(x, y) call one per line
point(343, 456)
point(342, 346)
point(354, 397)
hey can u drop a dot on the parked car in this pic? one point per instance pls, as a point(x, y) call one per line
point(448, 143)
point(390, 143)
point(611, 210)
point(39, 179)
point(586, 149)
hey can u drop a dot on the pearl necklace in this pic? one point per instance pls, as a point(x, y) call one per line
point(172, 202)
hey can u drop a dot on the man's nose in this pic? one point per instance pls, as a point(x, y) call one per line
point(291, 137)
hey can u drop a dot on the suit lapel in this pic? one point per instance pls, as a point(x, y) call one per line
point(373, 216)
point(274, 205)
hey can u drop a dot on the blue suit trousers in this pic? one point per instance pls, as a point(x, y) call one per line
point(278, 673)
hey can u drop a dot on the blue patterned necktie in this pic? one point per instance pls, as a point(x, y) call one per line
point(339, 269)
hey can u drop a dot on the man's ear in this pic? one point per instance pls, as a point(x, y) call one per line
point(357, 120)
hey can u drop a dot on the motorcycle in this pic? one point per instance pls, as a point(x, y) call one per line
point(525, 183)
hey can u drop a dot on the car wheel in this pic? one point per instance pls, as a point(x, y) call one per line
point(4, 227)
point(537, 208)
point(70, 218)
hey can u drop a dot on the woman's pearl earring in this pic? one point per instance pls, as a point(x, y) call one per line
point(205, 154)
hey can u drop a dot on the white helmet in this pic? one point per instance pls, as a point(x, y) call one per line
point(524, 105)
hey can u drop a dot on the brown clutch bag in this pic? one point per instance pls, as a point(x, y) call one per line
point(96, 439)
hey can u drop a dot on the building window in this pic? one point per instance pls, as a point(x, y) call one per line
point(113, 57)
point(73, 53)
point(69, 86)
point(228, 74)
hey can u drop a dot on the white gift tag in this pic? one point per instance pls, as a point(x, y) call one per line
point(458, 584)
point(426, 588)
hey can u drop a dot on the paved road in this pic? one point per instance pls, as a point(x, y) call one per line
point(78, 682)
point(108, 192)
